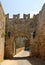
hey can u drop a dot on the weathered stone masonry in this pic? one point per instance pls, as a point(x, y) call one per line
point(2, 32)
point(31, 30)
point(38, 43)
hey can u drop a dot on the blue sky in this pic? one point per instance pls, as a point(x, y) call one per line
point(22, 6)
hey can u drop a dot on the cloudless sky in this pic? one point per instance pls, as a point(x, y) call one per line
point(22, 6)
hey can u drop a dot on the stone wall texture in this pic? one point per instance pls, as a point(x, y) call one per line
point(37, 45)
point(41, 33)
point(22, 32)
point(2, 33)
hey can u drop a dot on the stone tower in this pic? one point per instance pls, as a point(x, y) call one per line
point(2, 32)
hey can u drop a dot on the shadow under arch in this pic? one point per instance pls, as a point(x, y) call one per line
point(21, 41)
point(10, 47)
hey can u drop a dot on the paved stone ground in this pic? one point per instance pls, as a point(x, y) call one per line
point(22, 59)
point(22, 54)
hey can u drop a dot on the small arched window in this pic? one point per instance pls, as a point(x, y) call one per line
point(34, 34)
point(9, 33)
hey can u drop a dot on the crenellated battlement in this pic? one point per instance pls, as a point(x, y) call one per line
point(7, 16)
point(17, 16)
point(26, 16)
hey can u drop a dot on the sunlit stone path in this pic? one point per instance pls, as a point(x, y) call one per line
point(22, 59)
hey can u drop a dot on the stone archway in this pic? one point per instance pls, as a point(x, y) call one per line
point(20, 43)
point(10, 49)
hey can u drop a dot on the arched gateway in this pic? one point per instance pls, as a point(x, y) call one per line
point(15, 43)
point(19, 30)
point(17, 33)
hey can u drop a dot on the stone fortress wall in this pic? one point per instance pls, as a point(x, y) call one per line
point(38, 44)
point(2, 32)
point(19, 27)
point(30, 29)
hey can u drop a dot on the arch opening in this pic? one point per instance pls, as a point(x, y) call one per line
point(20, 43)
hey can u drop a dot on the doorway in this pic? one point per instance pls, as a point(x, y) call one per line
point(21, 44)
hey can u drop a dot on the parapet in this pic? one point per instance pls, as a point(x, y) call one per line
point(16, 16)
point(26, 16)
point(7, 16)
